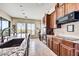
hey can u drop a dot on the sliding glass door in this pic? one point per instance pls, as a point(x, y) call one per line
point(31, 28)
point(21, 29)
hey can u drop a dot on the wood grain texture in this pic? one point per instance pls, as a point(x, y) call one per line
point(76, 49)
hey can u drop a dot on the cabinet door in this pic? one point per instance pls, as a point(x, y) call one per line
point(76, 52)
point(66, 51)
point(56, 46)
point(48, 21)
point(76, 49)
point(76, 6)
point(53, 20)
point(60, 11)
point(69, 7)
point(50, 42)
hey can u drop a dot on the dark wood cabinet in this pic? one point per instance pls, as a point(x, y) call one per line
point(50, 42)
point(46, 20)
point(76, 49)
point(67, 48)
point(56, 45)
point(62, 46)
point(65, 8)
point(53, 19)
point(47, 23)
point(59, 11)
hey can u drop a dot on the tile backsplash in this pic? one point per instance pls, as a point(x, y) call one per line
point(63, 29)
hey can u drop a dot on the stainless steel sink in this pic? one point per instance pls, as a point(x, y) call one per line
point(12, 43)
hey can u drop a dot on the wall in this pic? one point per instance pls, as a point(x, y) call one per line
point(63, 30)
point(5, 15)
point(21, 20)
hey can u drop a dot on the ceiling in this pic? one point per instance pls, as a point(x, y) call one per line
point(27, 10)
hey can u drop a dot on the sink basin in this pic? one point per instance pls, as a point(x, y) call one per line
point(12, 43)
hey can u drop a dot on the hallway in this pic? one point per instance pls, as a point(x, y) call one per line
point(38, 48)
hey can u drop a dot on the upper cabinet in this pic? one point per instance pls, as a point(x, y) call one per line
point(59, 11)
point(65, 8)
point(46, 20)
point(53, 20)
point(69, 7)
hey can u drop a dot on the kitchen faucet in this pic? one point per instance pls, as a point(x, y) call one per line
point(2, 37)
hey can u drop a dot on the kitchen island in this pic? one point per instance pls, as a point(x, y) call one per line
point(14, 51)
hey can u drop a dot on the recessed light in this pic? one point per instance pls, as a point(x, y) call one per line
point(21, 5)
point(23, 13)
point(22, 10)
point(25, 17)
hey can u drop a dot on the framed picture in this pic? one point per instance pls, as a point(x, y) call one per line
point(70, 28)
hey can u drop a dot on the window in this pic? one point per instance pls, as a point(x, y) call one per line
point(21, 28)
point(0, 27)
point(31, 29)
point(4, 24)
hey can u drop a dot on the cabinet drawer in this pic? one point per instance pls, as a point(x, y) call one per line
point(66, 50)
point(68, 43)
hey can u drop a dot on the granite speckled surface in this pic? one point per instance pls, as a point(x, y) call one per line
point(14, 51)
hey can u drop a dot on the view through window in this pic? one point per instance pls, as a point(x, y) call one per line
point(31, 28)
point(21, 29)
point(4, 24)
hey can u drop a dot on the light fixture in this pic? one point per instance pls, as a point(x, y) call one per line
point(22, 10)
point(25, 17)
point(23, 13)
point(21, 5)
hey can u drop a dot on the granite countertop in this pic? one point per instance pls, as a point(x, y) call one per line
point(69, 38)
point(14, 51)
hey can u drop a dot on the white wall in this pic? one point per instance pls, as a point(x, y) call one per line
point(5, 15)
point(63, 30)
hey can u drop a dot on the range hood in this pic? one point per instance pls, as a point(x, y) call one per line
point(71, 17)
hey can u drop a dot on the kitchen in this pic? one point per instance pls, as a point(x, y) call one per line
point(63, 22)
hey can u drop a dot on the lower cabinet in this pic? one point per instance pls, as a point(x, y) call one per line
point(76, 49)
point(63, 47)
point(50, 42)
point(76, 52)
point(56, 45)
point(66, 50)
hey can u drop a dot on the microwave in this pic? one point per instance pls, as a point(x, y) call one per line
point(71, 17)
